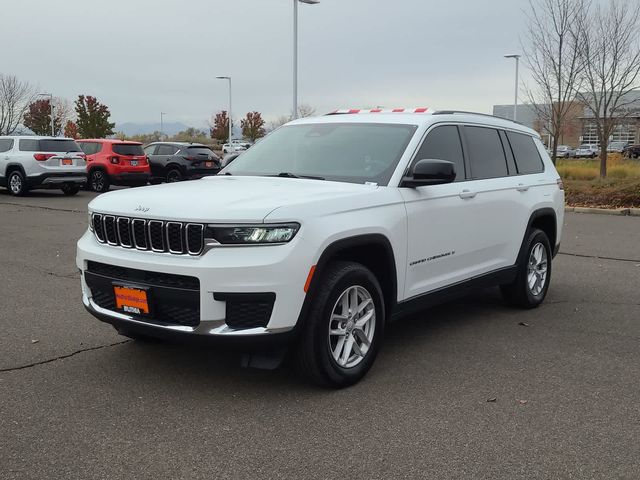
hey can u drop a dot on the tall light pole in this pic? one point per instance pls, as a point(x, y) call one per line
point(515, 103)
point(230, 117)
point(162, 114)
point(51, 110)
point(295, 52)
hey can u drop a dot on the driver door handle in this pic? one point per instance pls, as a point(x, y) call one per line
point(467, 194)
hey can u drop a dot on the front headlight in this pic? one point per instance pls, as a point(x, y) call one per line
point(251, 234)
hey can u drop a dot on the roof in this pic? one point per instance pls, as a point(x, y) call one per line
point(108, 140)
point(34, 137)
point(414, 116)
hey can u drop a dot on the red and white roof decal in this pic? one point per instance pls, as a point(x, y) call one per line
point(380, 110)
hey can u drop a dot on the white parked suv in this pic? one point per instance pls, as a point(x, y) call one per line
point(325, 231)
point(235, 146)
point(31, 162)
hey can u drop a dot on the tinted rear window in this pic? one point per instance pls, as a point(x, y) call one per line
point(486, 153)
point(127, 149)
point(528, 158)
point(194, 151)
point(49, 145)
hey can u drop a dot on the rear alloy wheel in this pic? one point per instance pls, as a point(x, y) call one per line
point(344, 327)
point(70, 189)
point(99, 181)
point(534, 273)
point(173, 175)
point(16, 183)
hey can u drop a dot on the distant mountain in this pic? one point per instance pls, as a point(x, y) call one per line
point(169, 128)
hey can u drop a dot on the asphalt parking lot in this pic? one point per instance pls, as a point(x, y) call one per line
point(472, 389)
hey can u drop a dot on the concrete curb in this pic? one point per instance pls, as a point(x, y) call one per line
point(605, 211)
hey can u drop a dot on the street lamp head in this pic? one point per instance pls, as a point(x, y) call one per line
point(223, 78)
point(309, 2)
point(513, 55)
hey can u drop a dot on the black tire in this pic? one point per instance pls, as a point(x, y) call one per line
point(519, 293)
point(313, 356)
point(173, 175)
point(99, 181)
point(70, 189)
point(17, 184)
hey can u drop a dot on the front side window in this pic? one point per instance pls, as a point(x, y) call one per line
point(526, 153)
point(6, 144)
point(485, 153)
point(343, 152)
point(443, 143)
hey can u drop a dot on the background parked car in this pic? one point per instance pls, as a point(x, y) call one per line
point(175, 161)
point(565, 151)
point(41, 162)
point(617, 147)
point(114, 162)
point(235, 146)
point(229, 157)
point(632, 151)
point(587, 150)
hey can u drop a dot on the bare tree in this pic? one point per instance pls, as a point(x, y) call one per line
point(553, 56)
point(610, 51)
point(278, 122)
point(15, 97)
point(305, 110)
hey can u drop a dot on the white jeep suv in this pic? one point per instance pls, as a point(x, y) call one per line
point(29, 162)
point(325, 231)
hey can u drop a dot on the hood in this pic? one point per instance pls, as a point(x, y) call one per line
point(222, 199)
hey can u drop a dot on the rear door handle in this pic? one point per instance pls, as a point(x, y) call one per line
point(522, 187)
point(467, 194)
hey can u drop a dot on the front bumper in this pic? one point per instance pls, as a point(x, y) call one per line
point(221, 273)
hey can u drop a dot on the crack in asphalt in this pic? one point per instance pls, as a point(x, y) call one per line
point(62, 357)
point(599, 257)
point(43, 208)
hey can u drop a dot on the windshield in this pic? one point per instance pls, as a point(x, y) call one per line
point(344, 152)
point(128, 149)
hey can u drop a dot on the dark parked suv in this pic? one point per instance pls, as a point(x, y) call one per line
point(175, 161)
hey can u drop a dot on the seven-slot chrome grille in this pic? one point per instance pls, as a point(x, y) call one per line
point(163, 236)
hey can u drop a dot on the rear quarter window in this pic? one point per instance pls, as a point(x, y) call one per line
point(6, 144)
point(90, 148)
point(28, 145)
point(526, 153)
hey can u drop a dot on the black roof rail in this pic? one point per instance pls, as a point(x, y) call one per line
point(462, 112)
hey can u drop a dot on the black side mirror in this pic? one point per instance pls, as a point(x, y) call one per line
point(430, 172)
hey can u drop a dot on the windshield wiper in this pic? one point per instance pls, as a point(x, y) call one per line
point(293, 175)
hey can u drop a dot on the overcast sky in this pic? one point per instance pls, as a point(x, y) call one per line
point(141, 57)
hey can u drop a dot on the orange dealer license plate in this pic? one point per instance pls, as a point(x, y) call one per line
point(131, 300)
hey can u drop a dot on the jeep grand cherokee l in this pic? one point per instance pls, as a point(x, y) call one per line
point(32, 162)
point(326, 230)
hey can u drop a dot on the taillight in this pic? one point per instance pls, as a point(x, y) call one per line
point(114, 159)
point(41, 157)
point(560, 184)
point(82, 155)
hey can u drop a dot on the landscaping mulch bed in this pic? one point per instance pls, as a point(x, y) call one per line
point(618, 193)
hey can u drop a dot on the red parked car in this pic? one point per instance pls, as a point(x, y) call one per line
point(117, 162)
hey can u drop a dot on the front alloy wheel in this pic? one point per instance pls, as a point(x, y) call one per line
point(352, 326)
point(343, 327)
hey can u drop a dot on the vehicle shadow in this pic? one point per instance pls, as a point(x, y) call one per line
point(214, 368)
